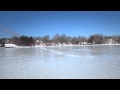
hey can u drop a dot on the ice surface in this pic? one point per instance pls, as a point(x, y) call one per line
point(76, 62)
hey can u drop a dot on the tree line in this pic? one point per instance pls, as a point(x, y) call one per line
point(57, 38)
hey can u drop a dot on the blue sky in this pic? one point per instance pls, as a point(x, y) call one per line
point(71, 23)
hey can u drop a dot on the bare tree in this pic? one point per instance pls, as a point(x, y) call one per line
point(83, 39)
point(97, 38)
point(74, 39)
point(79, 38)
point(56, 38)
point(68, 38)
point(63, 39)
point(16, 40)
point(46, 38)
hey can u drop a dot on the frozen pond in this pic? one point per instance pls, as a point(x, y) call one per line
point(71, 62)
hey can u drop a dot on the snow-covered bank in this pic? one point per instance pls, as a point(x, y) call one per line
point(10, 46)
point(38, 46)
point(109, 44)
point(76, 45)
point(15, 46)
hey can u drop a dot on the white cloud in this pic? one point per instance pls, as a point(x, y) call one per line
point(6, 31)
point(11, 32)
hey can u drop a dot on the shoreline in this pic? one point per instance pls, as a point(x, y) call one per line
point(62, 46)
point(77, 45)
